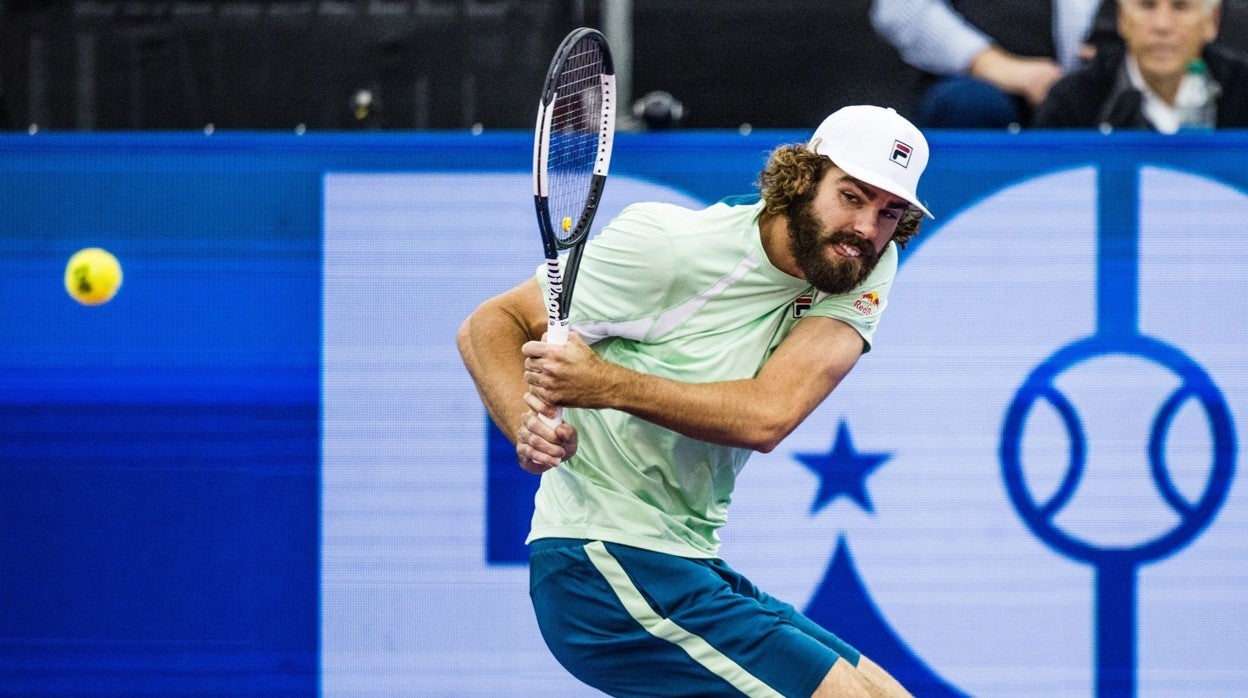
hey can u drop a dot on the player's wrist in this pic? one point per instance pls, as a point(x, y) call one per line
point(625, 389)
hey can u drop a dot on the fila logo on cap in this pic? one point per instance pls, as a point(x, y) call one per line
point(860, 138)
point(901, 154)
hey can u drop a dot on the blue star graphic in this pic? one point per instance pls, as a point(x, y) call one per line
point(842, 471)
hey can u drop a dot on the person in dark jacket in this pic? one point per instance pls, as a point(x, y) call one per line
point(1165, 76)
point(987, 63)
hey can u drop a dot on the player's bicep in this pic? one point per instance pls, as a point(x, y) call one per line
point(809, 364)
point(524, 305)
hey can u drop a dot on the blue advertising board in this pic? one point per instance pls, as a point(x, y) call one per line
point(261, 468)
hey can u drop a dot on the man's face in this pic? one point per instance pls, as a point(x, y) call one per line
point(1166, 35)
point(839, 230)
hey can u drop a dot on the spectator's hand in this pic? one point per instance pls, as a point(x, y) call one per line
point(1029, 78)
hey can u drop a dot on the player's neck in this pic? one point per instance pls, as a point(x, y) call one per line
point(773, 228)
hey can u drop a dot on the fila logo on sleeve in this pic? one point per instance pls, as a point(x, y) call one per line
point(901, 154)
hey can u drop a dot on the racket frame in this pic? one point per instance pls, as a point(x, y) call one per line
point(561, 281)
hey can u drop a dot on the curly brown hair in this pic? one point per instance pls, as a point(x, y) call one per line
point(791, 173)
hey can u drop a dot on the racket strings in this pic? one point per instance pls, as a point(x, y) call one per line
point(574, 135)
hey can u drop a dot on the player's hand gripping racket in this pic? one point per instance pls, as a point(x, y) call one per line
point(571, 155)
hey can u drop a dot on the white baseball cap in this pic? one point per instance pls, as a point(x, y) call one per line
point(876, 145)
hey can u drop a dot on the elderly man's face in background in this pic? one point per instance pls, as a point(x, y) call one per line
point(1166, 35)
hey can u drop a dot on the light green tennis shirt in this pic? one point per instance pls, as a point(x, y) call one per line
point(688, 295)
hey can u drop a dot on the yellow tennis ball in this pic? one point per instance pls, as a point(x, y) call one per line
point(92, 276)
point(567, 223)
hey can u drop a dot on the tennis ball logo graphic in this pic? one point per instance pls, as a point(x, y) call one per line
point(1117, 450)
point(1112, 502)
point(1150, 444)
point(92, 276)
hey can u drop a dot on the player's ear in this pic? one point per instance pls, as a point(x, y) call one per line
point(809, 174)
point(909, 225)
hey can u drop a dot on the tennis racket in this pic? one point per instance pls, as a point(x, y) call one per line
point(571, 155)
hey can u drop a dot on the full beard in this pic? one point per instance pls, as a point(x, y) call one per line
point(831, 274)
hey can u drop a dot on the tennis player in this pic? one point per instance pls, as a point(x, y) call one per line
point(699, 337)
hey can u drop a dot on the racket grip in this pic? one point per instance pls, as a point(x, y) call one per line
point(554, 421)
point(556, 333)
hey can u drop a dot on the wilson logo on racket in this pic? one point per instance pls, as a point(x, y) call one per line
point(868, 303)
point(802, 304)
point(901, 154)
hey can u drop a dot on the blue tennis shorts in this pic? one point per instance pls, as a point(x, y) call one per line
point(634, 622)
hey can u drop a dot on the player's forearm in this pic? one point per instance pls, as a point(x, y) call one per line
point(489, 344)
point(731, 413)
point(755, 413)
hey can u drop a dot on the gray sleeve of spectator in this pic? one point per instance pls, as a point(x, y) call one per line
point(928, 34)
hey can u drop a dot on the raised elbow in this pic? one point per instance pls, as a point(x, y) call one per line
point(769, 432)
point(463, 338)
point(766, 446)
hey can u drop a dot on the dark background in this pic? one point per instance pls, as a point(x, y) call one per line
point(256, 64)
point(431, 64)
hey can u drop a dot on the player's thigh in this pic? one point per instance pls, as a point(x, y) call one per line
point(598, 639)
point(653, 624)
point(745, 587)
point(813, 629)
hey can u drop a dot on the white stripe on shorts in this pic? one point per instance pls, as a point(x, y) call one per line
point(700, 650)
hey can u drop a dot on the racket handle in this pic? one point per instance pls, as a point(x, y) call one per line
point(556, 333)
point(554, 421)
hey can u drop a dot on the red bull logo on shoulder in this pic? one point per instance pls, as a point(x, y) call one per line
point(868, 303)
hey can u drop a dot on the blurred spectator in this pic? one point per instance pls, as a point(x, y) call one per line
point(1165, 77)
point(658, 110)
point(990, 62)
